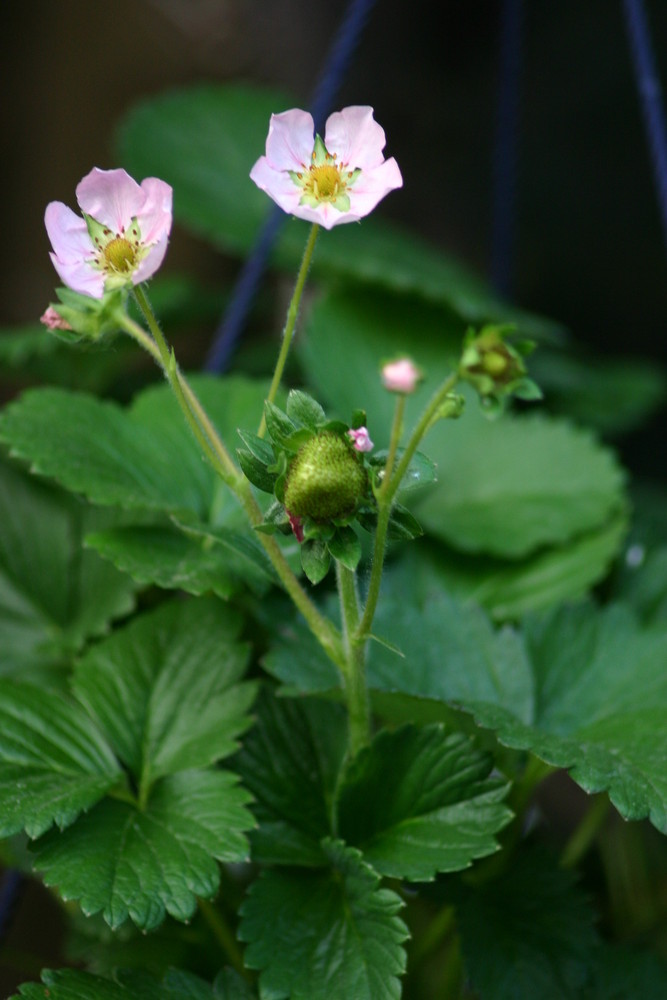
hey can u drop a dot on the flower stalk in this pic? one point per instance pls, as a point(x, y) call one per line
point(290, 322)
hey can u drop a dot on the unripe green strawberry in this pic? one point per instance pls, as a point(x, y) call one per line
point(326, 479)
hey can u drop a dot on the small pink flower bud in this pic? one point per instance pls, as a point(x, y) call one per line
point(53, 320)
point(401, 376)
point(361, 439)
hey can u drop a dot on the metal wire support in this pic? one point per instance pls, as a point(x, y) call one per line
point(650, 98)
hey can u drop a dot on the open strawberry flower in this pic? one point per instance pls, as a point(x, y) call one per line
point(324, 480)
point(121, 237)
point(340, 178)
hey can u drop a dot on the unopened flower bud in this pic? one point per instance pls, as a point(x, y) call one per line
point(52, 320)
point(401, 376)
point(360, 439)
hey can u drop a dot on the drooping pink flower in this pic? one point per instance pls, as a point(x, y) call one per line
point(52, 320)
point(361, 439)
point(331, 181)
point(122, 237)
point(401, 376)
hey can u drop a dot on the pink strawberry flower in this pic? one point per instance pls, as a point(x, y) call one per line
point(361, 439)
point(122, 237)
point(340, 178)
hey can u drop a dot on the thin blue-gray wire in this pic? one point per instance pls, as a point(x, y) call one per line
point(650, 97)
point(342, 49)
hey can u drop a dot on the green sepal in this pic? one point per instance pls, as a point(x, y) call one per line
point(255, 471)
point(304, 411)
point(403, 525)
point(90, 318)
point(275, 520)
point(359, 419)
point(346, 547)
point(315, 559)
point(260, 448)
point(278, 424)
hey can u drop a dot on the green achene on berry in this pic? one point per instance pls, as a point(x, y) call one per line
point(326, 480)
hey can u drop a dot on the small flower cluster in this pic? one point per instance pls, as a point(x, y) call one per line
point(495, 368)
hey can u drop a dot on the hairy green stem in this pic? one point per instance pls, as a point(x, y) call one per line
point(391, 482)
point(354, 668)
point(218, 456)
point(223, 934)
point(290, 322)
point(585, 834)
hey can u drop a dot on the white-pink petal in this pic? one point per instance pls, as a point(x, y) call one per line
point(67, 233)
point(111, 197)
point(80, 276)
point(291, 139)
point(155, 215)
point(355, 136)
point(151, 262)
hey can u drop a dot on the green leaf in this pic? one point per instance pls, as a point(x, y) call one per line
point(290, 762)
point(528, 934)
point(71, 984)
point(624, 973)
point(53, 761)
point(508, 589)
point(510, 487)
point(325, 935)
point(583, 689)
point(143, 458)
point(204, 140)
point(165, 689)
point(139, 863)
point(53, 596)
point(165, 556)
point(418, 802)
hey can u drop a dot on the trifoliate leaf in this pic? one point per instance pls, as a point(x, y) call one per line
point(53, 596)
point(528, 934)
point(290, 762)
point(418, 802)
point(583, 689)
point(329, 934)
point(139, 863)
point(165, 689)
point(53, 761)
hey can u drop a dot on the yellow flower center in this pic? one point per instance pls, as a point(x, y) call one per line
point(120, 255)
point(326, 182)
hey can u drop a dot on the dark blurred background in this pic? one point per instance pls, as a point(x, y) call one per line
point(589, 244)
